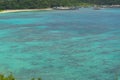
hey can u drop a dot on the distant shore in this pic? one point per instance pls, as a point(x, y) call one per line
point(24, 10)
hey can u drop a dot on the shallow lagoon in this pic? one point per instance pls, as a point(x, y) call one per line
point(61, 45)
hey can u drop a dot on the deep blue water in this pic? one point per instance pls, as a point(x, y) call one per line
point(61, 45)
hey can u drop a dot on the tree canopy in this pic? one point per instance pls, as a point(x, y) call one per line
point(32, 4)
point(102, 2)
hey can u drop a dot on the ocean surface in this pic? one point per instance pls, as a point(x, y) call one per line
point(61, 45)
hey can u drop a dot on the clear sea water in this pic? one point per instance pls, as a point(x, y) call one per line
point(61, 45)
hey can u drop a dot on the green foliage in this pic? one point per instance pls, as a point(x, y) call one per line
point(39, 79)
point(101, 2)
point(33, 79)
point(1, 10)
point(31, 4)
point(36, 79)
point(85, 4)
point(11, 77)
point(1, 77)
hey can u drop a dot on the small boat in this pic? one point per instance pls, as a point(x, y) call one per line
point(65, 8)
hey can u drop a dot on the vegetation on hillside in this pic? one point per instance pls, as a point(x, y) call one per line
point(102, 2)
point(31, 4)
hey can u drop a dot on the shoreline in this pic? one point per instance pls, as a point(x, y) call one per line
point(25, 10)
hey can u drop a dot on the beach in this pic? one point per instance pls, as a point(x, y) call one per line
point(24, 10)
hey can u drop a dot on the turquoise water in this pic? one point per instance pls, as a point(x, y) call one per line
point(61, 45)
